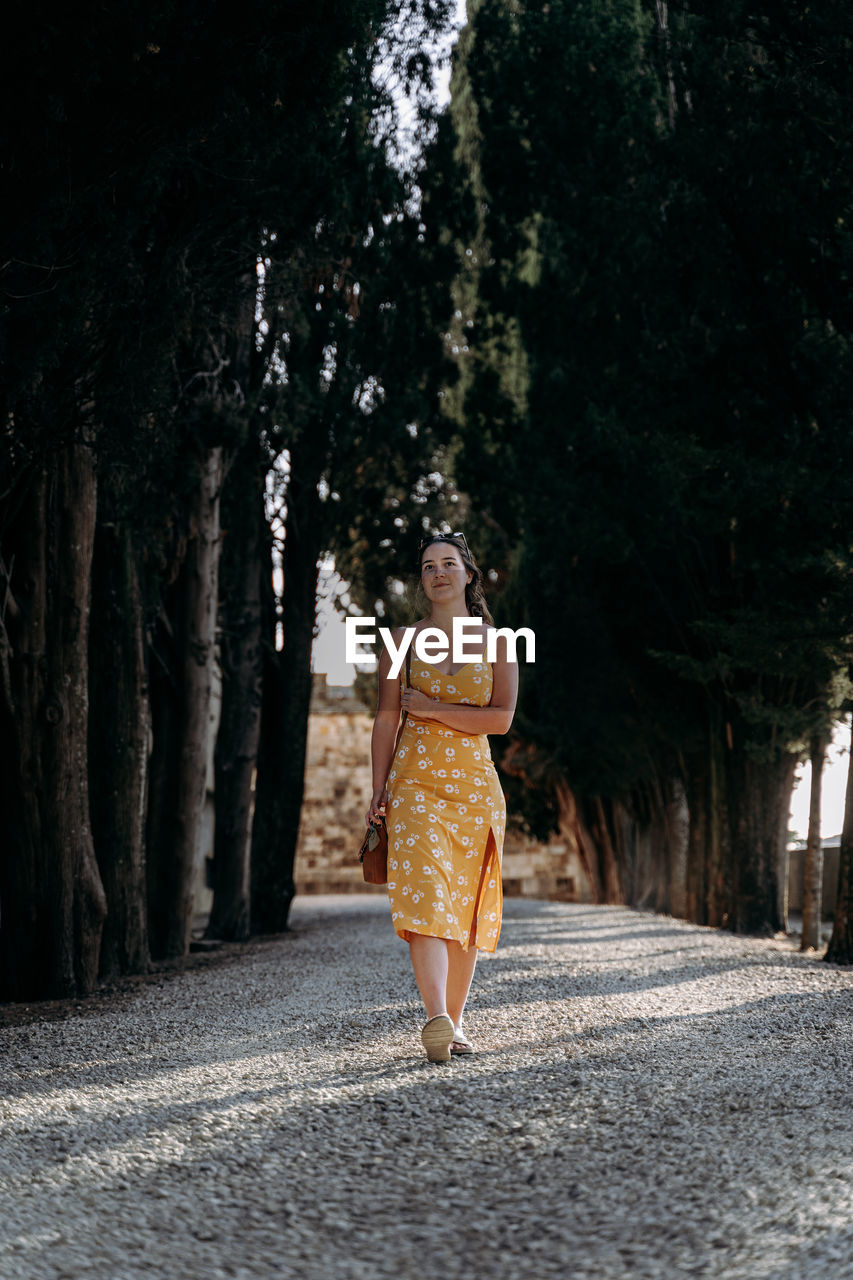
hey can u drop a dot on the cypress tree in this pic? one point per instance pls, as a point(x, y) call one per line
point(661, 360)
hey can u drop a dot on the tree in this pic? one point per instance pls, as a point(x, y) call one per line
point(840, 949)
point(150, 149)
point(356, 423)
point(49, 875)
point(813, 862)
point(241, 592)
point(670, 419)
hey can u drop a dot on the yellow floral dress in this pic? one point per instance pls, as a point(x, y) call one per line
point(446, 816)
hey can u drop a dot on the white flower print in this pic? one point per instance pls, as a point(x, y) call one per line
point(446, 796)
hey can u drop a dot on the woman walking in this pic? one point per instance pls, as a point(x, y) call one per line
point(440, 794)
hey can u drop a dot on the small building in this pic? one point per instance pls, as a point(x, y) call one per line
point(796, 865)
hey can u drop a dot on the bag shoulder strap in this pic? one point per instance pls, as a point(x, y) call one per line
point(405, 713)
point(408, 685)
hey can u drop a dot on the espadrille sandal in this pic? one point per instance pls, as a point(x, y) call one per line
point(460, 1043)
point(437, 1035)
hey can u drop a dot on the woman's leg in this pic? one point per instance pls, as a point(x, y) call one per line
point(460, 971)
point(430, 965)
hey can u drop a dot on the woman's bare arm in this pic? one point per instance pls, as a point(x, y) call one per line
point(384, 731)
point(495, 718)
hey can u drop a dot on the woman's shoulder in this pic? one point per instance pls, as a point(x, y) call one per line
point(497, 642)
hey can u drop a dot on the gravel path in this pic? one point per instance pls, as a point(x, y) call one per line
point(649, 1099)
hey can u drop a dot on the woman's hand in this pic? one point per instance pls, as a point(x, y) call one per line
point(418, 704)
point(378, 801)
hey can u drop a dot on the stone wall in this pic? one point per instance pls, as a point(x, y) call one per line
point(337, 794)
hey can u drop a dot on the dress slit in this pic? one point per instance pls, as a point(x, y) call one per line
point(490, 862)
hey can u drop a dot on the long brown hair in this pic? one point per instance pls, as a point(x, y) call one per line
point(475, 596)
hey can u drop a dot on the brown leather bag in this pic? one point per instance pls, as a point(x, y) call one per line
point(373, 854)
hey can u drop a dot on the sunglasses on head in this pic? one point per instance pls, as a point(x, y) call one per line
point(458, 539)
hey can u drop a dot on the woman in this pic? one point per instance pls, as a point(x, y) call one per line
point(445, 809)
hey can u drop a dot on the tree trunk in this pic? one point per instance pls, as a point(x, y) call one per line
point(571, 823)
point(284, 715)
point(840, 950)
point(697, 788)
point(118, 747)
point(237, 741)
point(644, 836)
point(677, 843)
point(182, 729)
point(52, 902)
point(709, 873)
point(634, 847)
point(610, 877)
point(759, 796)
point(719, 872)
point(813, 865)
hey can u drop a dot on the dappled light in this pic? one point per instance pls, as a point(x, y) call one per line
point(646, 1098)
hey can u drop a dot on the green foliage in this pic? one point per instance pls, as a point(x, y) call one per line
point(157, 153)
point(149, 146)
point(656, 403)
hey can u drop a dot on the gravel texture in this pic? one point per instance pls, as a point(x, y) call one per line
point(648, 1099)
